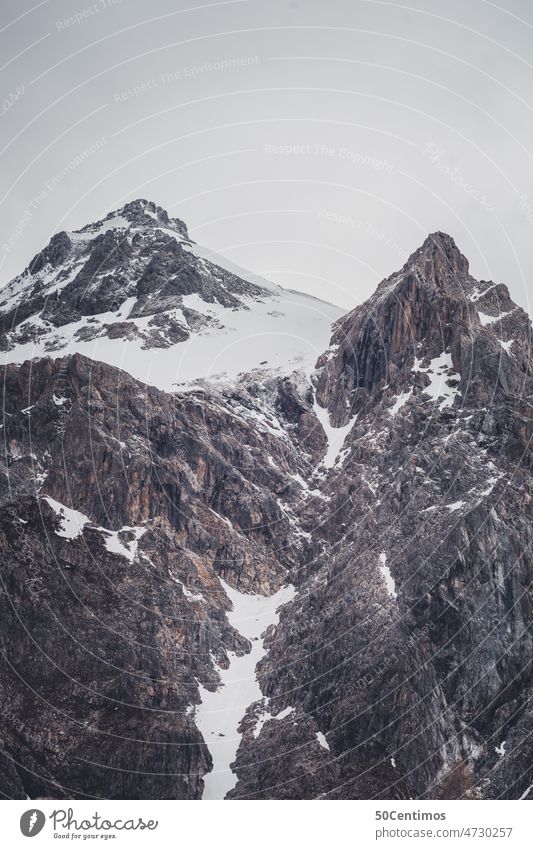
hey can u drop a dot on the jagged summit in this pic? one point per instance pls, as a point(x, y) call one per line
point(135, 291)
point(441, 263)
point(138, 213)
point(440, 250)
point(133, 215)
point(433, 320)
point(438, 264)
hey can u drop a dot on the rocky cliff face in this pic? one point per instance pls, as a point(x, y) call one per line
point(384, 499)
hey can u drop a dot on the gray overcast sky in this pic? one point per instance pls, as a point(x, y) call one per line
point(314, 142)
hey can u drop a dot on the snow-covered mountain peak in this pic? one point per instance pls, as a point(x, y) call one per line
point(133, 290)
point(135, 214)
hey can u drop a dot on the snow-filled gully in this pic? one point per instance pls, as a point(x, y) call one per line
point(219, 714)
point(336, 436)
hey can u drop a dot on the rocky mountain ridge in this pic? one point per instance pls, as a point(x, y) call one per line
point(385, 497)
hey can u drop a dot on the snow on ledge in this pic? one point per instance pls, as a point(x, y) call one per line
point(72, 522)
point(265, 716)
point(124, 549)
point(486, 319)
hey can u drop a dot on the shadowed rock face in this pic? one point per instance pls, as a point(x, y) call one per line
point(393, 490)
point(105, 638)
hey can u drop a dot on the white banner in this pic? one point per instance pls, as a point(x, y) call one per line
point(267, 825)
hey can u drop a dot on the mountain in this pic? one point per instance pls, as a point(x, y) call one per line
point(409, 643)
point(185, 313)
point(279, 581)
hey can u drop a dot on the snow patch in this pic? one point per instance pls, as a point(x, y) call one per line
point(72, 521)
point(401, 400)
point(124, 549)
point(387, 574)
point(322, 740)
point(490, 484)
point(500, 750)
point(490, 319)
point(438, 372)
point(265, 716)
point(507, 345)
point(59, 400)
point(477, 293)
point(455, 505)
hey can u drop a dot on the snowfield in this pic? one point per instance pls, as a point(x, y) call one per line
point(284, 331)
